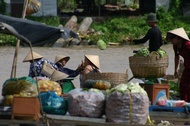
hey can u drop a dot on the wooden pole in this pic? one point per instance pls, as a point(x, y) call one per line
point(14, 66)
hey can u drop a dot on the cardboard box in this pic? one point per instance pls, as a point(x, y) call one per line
point(26, 108)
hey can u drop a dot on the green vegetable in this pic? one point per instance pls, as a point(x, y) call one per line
point(143, 52)
point(162, 52)
point(101, 44)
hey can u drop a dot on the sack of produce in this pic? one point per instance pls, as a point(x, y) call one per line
point(24, 85)
point(20, 87)
point(127, 103)
point(98, 84)
point(53, 104)
point(145, 64)
point(86, 103)
point(48, 85)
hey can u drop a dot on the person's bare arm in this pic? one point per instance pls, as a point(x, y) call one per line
point(176, 60)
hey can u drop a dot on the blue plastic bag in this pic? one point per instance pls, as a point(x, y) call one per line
point(53, 104)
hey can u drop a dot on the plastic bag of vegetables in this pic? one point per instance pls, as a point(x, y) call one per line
point(127, 103)
point(53, 104)
point(20, 87)
point(86, 102)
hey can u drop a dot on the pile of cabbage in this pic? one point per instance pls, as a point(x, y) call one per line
point(145, 52)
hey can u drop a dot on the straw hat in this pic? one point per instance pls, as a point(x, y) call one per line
point(94, 59)
point(29, 56)
point(180, 32)
point(151, 18)
point(60, 57)
point(57, 75)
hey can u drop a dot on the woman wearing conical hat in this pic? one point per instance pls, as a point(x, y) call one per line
point(61, 61)
point(91, 64)
point(181, 47)
point(36, 66)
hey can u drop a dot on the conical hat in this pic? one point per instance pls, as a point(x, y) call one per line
point(29, 56)
point(180, 32)
point(59, 57)
point(94, 59)
point(57, 75)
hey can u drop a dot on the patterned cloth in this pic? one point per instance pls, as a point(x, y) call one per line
point(185, 78)
point(38, 67)
point(154, 36)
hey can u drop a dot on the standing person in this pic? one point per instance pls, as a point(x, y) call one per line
point(37, 64)
point(181, 47)
point(154, 34)
point(91, 64)
point(61, 61)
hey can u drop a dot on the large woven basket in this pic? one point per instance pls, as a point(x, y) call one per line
point(113, 78)
point(151, 66)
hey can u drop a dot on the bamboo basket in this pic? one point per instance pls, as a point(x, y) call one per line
point(151, 66)
point(114, 78)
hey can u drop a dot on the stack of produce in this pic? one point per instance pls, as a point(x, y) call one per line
point(86, 102)
point(48, 85)
point(19, 87)
point(50, 94)
point(127, 103)
point(145, 64)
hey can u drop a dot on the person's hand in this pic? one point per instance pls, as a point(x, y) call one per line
point(128, 40)
point(134, 41)
point(176, 74)
point(81, 66)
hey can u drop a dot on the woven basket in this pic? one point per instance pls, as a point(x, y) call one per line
point(151, 66)
point(113, 78)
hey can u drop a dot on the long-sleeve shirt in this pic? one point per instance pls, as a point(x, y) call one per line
point(154, 36)
point(38, 67)
point(70, 72)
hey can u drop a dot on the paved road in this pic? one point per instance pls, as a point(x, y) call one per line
point(113, 59)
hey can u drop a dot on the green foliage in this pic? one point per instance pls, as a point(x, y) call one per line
point(65, 5)
point(48, 20)
point(8, 40)
point(115, 28)
point(3, 6)
point(175, 7)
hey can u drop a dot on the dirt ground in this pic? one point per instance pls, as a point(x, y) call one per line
point(113, 59)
